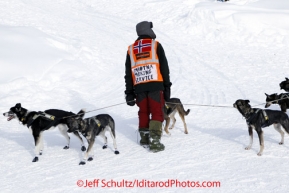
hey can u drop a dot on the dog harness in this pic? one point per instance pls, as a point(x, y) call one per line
point(44, 115)
point(100, 127)
point(144, 60)
point(249, 119)
point(85, 130)
point(285, 95)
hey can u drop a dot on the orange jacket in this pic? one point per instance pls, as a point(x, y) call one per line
point(145, 65)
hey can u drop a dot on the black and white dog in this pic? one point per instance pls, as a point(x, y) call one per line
point(259, 118)
point(282, 100)
point(92, 127)
point(285, 85)
point(39, 122)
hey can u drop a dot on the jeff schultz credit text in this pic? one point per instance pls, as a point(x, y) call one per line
point(102, 183)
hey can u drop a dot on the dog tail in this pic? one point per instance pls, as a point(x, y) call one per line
point(185, 111)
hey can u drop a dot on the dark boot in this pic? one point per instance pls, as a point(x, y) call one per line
point(155, 136)
point(144, 136)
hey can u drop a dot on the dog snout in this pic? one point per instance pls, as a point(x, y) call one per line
point(234, 105)
point(267, 105)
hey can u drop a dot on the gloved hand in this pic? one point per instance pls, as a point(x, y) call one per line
point(167, 93)
point(130, 98)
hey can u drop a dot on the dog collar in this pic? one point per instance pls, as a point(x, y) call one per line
point(24, 117)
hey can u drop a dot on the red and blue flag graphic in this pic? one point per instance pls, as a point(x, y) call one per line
point(144, 45)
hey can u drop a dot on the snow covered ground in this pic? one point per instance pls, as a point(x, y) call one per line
point(70, 55)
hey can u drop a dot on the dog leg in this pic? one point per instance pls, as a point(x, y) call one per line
point(278, 128)
point(285, 125)
point(83, 148)
point(113, 138)
point(261, 140)
point(250, 129)
point(102, 134)
point(41, 143)
point(167, 125)
point(63, 130)
point(172, 117)
point(37, 139)
point(87, 153)
point(283, 107)
point(185, 125)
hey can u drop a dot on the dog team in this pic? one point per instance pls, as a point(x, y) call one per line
point(90, 128)
point(69, 122)
point(259, 118)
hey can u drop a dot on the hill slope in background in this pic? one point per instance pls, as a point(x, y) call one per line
point(70, 55)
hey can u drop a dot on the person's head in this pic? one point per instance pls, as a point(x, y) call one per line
point(145, 28)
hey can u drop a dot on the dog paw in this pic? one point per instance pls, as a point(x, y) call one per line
point(104, 146)
point(66, 147)
point(35, 159)
point(82, 163)
point(116, 152)
point(170, 128)
point(90, 159)
point(186, 132)
point(259, 154)
point(168, 133)
point(281, 143)
point(247, 148)
point(40, 153)
point(83, 148)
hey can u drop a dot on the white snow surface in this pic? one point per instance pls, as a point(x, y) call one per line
point(70, 55)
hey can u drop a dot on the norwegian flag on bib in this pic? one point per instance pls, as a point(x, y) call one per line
point(144, 45)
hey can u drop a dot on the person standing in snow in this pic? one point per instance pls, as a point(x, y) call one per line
point(147, 79)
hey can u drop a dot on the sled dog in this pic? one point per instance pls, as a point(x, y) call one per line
point(92, 127)
point(259, 118)
point(282, 100)
point(285, 85)
point(173, 106)
point(39, 122)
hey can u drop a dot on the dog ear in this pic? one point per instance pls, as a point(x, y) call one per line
point(266, 94)
point(286, 78)
point(18, 107)
point(81, 113)
point(247, 101)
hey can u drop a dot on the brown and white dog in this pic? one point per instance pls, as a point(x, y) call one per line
point(173, 106)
